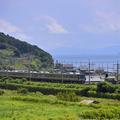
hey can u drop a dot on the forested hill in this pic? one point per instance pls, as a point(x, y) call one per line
point(11, 47)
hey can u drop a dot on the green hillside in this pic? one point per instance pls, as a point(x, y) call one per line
point(20, 54)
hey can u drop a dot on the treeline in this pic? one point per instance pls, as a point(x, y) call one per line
point(23, 48)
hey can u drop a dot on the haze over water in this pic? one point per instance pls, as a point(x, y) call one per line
point(106, 62)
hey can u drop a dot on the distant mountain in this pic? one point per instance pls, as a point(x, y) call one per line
point(23, 53)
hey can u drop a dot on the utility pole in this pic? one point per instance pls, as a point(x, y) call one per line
point(62, 71)
point(29, 67)
point(89, 70)
point(107, 68)
point(7, 65)
point(14, 63)
point(29, 63)
point(117, 71)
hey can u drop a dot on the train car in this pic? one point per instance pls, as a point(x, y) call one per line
point(47, 77)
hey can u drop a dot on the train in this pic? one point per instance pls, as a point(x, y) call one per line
point(46, 77)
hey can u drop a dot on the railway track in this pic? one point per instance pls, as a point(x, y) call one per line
point(49, 77)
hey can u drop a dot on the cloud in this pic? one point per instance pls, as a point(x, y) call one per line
point(103, 22)
point(110, 21)
point(8, 28)
point(53, 26)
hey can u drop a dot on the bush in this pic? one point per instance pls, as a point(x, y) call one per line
point(22, 91)
point(84, 91)
point(68, 96)
point(24, 80)
point(117, 90)
point(4, 79)
point(1, 92)
point(92, 94)
point(105, 87)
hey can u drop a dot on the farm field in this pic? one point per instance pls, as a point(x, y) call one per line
point(101, 90)
point(36, 106)
point(21, 99)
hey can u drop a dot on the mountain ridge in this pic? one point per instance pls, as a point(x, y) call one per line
point(11, 47)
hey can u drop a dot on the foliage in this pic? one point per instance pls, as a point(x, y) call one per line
point(68, 96)
point(84, 91)
point(11, 47)
point(36, 106)
point(22, 91)
point(1, 92)
point(104, 95)
point(57, 88)
point(117, 90)
point(101, 114)
point(105, 87)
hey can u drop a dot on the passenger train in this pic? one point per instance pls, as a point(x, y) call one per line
point(46, 77)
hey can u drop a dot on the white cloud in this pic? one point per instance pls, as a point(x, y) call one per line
point(8, 28)
point(110, 21)
point(53, 26)
point(103, 22)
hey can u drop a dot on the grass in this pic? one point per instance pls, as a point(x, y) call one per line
point(36, 106)
point(20, 104)
point(106, 90)
point(47, 84)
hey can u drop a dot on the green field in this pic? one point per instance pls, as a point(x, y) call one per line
point(36, 106)
point(21, 99)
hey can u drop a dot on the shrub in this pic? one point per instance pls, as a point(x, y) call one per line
point(117, 90)
point(24, 80)
point(68, 96)
point(84, 91)
point(1, 92)
point(22, 91)
point(108, 95)
point(105, 87)
point(92, 94)
point(26, 99)
point(4, 79)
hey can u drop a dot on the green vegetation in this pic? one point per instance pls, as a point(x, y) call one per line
point(22, 91)
point(68, 96)
point(101, 90)
point(105, 87)
point(36, 106)
point(20, 54)
point(21, 99)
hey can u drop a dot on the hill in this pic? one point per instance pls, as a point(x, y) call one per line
point(20, 54)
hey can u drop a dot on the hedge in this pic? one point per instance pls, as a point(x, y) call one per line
point(54, 90)
point(31, 88)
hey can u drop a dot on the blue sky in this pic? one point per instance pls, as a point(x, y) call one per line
point(64, 27)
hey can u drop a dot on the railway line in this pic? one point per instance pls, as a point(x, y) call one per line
point(46, 77)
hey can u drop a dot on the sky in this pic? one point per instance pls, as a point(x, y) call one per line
point(64, 27)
